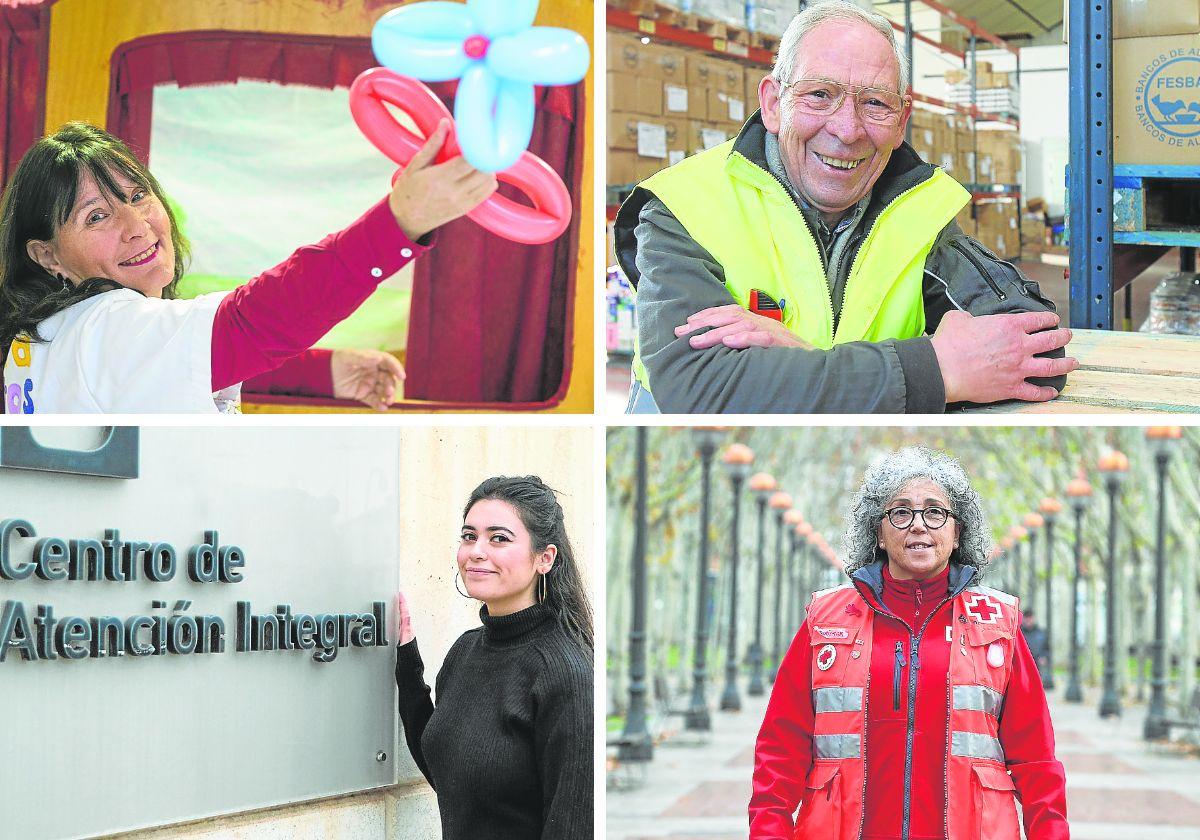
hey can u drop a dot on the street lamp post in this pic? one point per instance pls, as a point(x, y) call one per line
point(1079, 492)
point(1163, 438)
point(1113, 465)
point(792, 519)
point(1006, 547)
point(762, 485)
point(636, 743)
point(1032, 522)
point(1050, 508)
point(737, 459)
point(698, 718)
point(780, 502)
point(1017, 533)
point(803, 573)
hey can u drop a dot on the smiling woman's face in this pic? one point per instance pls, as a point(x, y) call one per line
point(125, 238)
point(496, 558)
point(918, 552)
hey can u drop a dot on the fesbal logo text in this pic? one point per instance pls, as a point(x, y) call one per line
point(1168, 97)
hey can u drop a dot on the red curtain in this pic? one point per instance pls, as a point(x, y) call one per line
point(491, 319)
point(24, 50)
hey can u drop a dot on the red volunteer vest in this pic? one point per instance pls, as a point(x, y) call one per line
point(980, 795)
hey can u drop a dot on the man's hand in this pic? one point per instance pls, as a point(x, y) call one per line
point(370, 376)
point(987, 358)
point(739, 328)
point(426, 196)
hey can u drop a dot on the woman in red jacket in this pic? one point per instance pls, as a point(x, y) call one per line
point(908, 706)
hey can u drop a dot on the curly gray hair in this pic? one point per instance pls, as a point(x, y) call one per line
point(884, 479)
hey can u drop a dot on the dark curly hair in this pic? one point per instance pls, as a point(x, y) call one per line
point(38, 201)
point(542, 516)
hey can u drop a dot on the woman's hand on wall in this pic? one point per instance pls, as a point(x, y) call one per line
point(404, 631)
point(371, 377)
point(427, 195)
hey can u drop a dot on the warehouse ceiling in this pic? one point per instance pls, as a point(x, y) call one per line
point(1020, 21)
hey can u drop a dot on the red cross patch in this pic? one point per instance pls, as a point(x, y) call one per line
point(825, 657)
point(983, 609)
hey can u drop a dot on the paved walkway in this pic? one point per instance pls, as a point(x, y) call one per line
point(1118, 788)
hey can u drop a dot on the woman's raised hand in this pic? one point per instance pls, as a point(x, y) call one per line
point(404, 631)
point(427, 195)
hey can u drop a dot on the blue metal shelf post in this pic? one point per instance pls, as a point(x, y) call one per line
point(1090, 178)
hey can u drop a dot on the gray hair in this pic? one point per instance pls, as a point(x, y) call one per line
point(818, 13)
point(884, 479)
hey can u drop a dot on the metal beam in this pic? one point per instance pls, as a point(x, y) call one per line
point(1090, 179)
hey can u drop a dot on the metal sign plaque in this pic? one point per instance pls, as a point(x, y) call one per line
point(207, 638)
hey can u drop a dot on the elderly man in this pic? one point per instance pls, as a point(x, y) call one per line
point(801, 266)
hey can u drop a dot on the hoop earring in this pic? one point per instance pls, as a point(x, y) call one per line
point(542, 589)
point(456, 589)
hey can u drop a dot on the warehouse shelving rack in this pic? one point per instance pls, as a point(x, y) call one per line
point(1093, 180)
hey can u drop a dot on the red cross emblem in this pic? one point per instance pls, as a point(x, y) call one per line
point(983, 609)
point(825, 657)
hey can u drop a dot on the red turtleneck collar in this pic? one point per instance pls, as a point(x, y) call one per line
point(911, 600)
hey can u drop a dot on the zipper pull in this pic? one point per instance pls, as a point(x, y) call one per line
point(913, 657)
point(896, 672)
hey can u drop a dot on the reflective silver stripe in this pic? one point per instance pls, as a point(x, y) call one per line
point(837, 699)
point(836, 746)
point(978, 698)
point(976, 745)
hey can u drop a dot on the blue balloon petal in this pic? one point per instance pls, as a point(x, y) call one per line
point(496, 18)
point(543, 55)
point(493, 118)
point(424, 40)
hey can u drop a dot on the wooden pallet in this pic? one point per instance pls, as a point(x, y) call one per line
point(1151, 205)
point(764, 41)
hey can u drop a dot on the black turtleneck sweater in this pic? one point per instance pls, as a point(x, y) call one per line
point(508, 748)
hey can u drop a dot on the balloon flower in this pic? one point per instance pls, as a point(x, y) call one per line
point(498, 55)
point(378, 87)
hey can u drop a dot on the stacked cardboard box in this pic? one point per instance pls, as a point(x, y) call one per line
point(999, 157)
point(665, 103)
point(935, 139)
point(649, 105)
point(997, 226)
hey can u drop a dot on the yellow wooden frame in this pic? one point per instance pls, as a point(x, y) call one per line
point(84, 34)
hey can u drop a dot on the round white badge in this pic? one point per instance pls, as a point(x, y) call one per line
point(825, 657)
point(995, 655)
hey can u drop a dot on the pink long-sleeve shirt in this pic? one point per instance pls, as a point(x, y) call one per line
point(281, 313)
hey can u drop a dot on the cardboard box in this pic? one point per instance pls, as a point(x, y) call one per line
point(622, 167)
point(627, 54)
point(703, 135)
point(753, 77)
point(638, 132)
point(639, 94)
point(726, 108)
point(716, 74)
point(1156, 100)
point(1148, 18)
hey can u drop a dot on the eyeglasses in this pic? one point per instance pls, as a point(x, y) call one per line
point(902, 518)
point(822, 97)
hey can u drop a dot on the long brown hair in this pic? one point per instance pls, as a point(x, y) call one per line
point(542, 516)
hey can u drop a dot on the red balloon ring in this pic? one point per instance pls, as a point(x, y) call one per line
point(551, 211)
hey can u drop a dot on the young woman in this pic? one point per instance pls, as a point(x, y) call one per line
point(90, 253)
point(508, 748)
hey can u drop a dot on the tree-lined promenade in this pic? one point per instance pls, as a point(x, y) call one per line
point(716, 538)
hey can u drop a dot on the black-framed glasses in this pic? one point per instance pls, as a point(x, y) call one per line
point(821, 96)
point(902, 518)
